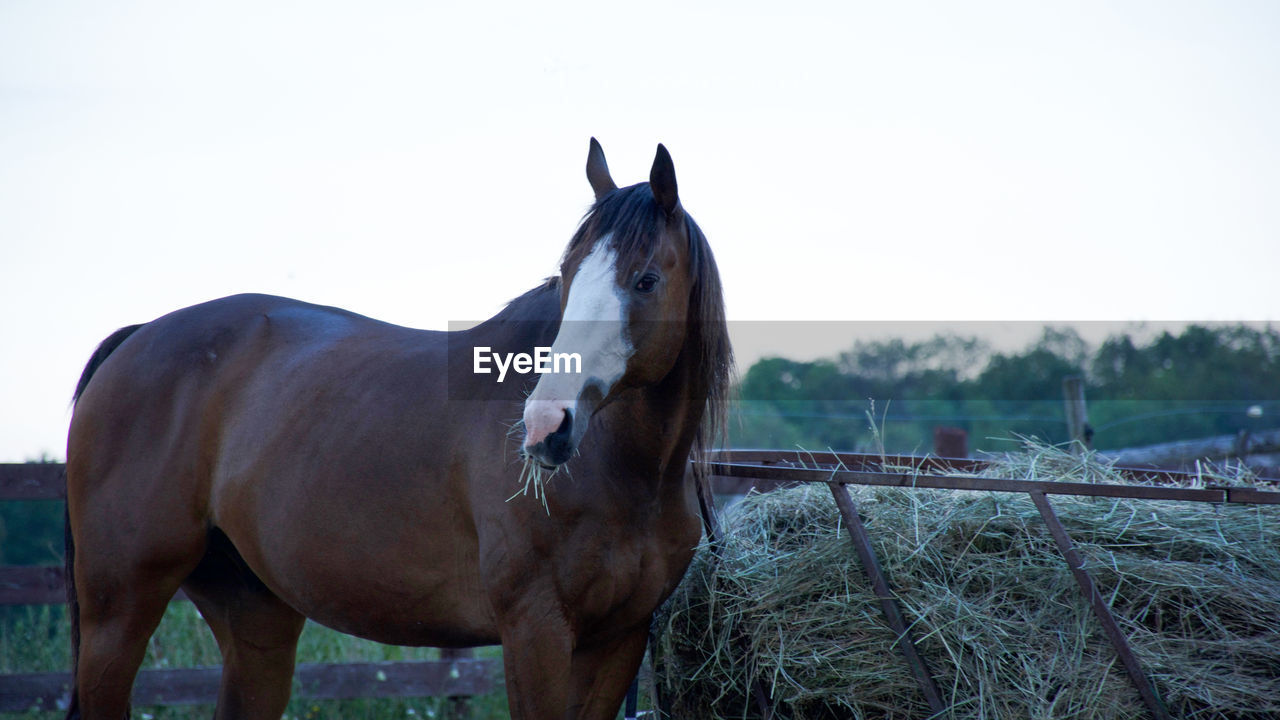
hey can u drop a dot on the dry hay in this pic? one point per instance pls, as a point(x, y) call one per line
point(996, 612)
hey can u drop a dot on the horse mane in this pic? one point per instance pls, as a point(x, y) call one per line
point(532, 305)
point(633, 220)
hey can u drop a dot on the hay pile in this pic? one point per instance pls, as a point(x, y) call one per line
point(996, 612)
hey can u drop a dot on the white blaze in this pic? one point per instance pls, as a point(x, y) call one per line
point(593, 326)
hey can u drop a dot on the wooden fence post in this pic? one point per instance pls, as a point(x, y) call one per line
point(1077, 414)
point(459, 705)
point(950, 442)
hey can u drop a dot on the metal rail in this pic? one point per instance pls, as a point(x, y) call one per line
point(888, 600)
point(927, 464)
point(921, 480)
point(1101, 609)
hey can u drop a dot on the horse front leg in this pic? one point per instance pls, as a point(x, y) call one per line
point(536, 653)
point(602, 673)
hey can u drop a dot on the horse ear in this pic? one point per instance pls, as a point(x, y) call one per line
point(598, 171)
point(662, 181)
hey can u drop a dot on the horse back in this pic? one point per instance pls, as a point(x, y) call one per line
point(317, 440)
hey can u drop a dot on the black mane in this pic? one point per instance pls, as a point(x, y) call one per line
point(633, 220)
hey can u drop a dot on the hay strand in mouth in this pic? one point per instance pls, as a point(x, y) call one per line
point(534, 479)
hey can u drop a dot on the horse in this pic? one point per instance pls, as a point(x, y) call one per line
point(278, 460)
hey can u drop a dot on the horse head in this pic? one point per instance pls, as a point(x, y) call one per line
point(628, 280)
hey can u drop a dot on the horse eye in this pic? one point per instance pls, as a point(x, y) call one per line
point(646, 283)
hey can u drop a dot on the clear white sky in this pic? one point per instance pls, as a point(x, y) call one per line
point(422, 162)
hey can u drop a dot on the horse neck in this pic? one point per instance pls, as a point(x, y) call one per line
point(663, 421)
point(531, 320)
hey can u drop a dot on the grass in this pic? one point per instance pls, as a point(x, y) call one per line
point(35, 639)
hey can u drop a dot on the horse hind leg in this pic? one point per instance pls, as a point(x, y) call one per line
point(257, 634)
point(113, 643)
point(121, 597)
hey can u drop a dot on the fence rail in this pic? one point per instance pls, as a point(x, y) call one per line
point(33, 481)
point(320, 681)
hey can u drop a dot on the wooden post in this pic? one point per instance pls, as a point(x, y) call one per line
point(459, 706)
point(950, 442)
point(1077, 414)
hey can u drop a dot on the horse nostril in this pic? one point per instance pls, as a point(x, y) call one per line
point(556, 448)
point(566, 425)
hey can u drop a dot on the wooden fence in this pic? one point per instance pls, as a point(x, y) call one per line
point(457, 675)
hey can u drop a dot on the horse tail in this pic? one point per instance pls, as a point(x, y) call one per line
point(107, 346)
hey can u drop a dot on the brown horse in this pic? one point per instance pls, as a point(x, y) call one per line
point(280, 461)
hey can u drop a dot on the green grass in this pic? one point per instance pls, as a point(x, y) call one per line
point(35, 639)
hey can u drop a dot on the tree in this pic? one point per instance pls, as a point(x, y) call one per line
point(1202, 381)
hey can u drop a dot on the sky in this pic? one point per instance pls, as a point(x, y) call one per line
point(422, 162)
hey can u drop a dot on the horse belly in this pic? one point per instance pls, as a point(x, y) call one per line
point(440, 607)
point(364, 558)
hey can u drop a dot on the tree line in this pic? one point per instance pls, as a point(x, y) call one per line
point(890, 394)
